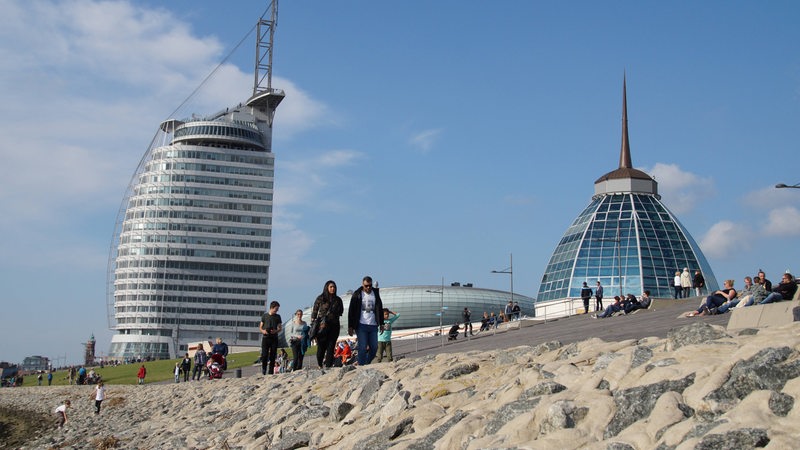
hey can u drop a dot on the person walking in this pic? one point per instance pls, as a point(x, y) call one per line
point(586, 294)
point(186, 367)
point(270, 326)
point(49, 377)
point(364, 317)
point(466, 317)
point(385, 338)
point(295, 330)
point(676, 285)
point(177, 372)
point(325, 325)
point(686, 282)
point(200, 360)
point(598, 297)
point(99, 396)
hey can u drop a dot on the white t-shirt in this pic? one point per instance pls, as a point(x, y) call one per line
point(61, 409)
point(100, 393)
point(368, 308)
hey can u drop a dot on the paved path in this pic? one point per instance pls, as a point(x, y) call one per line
point(656, 322)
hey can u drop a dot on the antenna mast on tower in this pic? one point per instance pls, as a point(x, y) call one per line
point(266, 36)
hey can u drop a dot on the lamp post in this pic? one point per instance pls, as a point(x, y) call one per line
point(510, 271)
point(792, 186)
point(441, 309)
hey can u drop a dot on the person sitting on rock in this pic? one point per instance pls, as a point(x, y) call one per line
point(783, 291)
point(453, 333)
point(715, 300)
point(610, 309)
point(644, 303)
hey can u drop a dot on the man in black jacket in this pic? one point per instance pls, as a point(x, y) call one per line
point(365, 317)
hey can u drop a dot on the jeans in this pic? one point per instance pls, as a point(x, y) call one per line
point(367, 336)
point(611, 309)
point(722, 309)
point(772, 298)
point(297, 354)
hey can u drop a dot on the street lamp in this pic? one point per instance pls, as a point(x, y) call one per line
point(510, 271)
point(782, 186)
point(441, 308)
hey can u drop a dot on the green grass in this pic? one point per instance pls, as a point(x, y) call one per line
point(156, 370)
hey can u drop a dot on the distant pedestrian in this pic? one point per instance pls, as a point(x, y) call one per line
point(49, 377)
point(270, 326)
point(686, 282)
point(385, 337)
point(586, 294)
point(141, 374)
point(676, 285)
point(598, 297)
point(99, 396)
point(466, 317)
point(177, 372)
point(39, 378)
point(186, 367)
point(699, 283)
point(516, 311)
point(200, 360)
point(295, 330)
point(61, 414)
point(509, 311)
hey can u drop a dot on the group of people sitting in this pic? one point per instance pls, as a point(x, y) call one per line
point(626, 305)
point(756, 291)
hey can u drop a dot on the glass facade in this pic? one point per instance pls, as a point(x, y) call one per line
point(191, 252)
point(622, 239)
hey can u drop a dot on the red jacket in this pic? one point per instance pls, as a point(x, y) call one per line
point(142, 372)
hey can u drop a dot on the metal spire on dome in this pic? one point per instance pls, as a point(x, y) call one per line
point(625, 150)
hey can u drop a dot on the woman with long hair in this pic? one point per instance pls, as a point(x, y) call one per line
point(328, 307)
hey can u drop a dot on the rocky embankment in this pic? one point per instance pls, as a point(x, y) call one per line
point(699, 388)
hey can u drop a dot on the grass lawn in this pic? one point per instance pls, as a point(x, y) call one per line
point(156, 370)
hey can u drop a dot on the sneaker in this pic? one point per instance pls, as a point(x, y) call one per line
point(593, 316)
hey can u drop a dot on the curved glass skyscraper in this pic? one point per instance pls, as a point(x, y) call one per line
point(626, 239)
point(191, 255)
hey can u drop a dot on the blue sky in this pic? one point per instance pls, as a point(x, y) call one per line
point(418, 140)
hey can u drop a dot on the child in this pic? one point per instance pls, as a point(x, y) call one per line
point(385, 337)
point(177, 372)
point(141, 374)
point(99, 396)
point(61, 414)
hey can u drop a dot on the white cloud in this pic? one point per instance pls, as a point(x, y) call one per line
point(301, 181)
point(681, 190)
point(424, 140)
point(724, 238)
point(770, 198)
point(783, 222)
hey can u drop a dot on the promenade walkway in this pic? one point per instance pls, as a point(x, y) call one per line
point(656, 322)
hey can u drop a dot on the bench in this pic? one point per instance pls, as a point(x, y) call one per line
point(757, 316)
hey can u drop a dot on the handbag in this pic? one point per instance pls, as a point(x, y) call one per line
point(314, 330)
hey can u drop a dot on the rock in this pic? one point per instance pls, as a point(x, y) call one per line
point(696, 333)
point(561, 415)
point(619, 446)
point(604, 360)
point(766, 370)
point(637, 403)
point(544, 388)
point(743, 439)
point(460, 370)
point(291, 441)
point(748, 332)
point(545, 347)
point(429, 441)
point(661, 363)
point(641, 355)
point(509, 411)
point(382, 438)
point(780, 404)
point(339, 410)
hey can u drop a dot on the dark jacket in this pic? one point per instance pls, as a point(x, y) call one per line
point(354, 312)
point(328, 311)
point(786, 290)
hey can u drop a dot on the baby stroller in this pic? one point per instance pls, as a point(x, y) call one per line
point(214, 365)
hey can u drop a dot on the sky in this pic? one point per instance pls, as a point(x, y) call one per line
point(419, 142)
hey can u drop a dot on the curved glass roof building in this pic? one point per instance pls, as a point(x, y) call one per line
point(419, 306)
point(626, 238)
point(191, 251)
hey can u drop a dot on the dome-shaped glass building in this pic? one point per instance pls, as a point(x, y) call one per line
point(626, 238)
